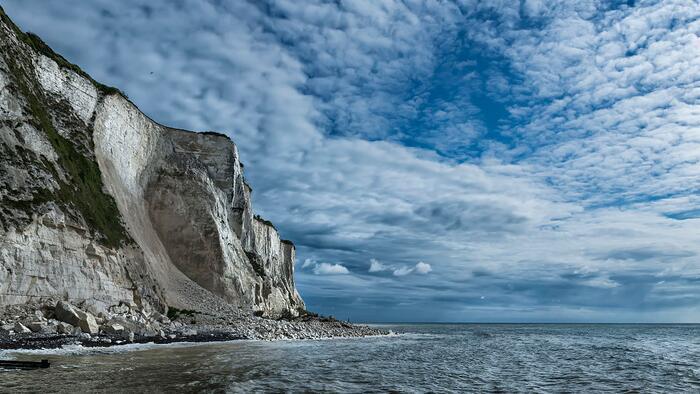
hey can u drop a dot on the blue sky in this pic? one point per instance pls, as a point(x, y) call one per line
point(435, 160)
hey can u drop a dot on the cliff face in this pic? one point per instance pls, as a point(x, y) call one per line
point(100, 203)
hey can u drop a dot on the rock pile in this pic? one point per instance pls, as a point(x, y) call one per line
point(49, 323)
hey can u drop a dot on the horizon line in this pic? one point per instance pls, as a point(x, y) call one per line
point(541, 323)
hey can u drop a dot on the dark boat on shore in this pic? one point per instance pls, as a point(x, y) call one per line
point(13, 364)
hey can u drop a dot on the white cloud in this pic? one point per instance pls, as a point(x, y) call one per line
point(324, 268)
point(399, 270)
point(308, 263)
point(376, 266)
point(423, 268)
point(330, 269)
point(420, 268)
point(403, 271)
point(605, 283)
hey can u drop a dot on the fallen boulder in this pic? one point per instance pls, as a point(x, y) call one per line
point(188, 332)
point(37, 326)
point(64, 328)
point(89, 325)
point(113, 329)
point(21, 328)
point(67, 313)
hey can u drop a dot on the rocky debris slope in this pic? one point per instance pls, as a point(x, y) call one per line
point(50, 324)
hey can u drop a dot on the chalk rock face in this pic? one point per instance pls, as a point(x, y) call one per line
point(100, 203)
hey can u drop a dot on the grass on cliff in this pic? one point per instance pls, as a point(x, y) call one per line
point(84, 190)
point(264, 221)
point(174, 313)
point(40, 46)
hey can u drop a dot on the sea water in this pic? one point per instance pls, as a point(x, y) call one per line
point(418, 358)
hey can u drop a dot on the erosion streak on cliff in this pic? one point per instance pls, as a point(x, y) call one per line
point(98, 202)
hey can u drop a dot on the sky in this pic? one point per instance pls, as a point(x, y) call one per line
point(451, 161)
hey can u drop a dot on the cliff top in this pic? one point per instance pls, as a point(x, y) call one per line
point(36, 43)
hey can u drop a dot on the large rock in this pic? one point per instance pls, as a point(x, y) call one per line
point(21, 328)
point(67, 313)
point(64, 328)
point(37, 326)
point(113, 329)
point(128, 335)
point(189, 332)
point(88, 323)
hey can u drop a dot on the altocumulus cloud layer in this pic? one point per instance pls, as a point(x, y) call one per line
point(501, 161)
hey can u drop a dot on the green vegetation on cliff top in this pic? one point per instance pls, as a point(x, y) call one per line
point(84, 190)
point(36, 43)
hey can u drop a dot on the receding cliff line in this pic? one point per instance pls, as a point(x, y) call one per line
point(100, 203)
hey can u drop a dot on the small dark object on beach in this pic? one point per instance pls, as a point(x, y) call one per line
point(12, 364)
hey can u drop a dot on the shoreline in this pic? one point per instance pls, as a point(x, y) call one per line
point(77, 348)
point(53, 325)
point(39, 342)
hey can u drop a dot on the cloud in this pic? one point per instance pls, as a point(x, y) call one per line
point(376, 266)
point(324, 268)
point(399, 270)
point(647, 254)
point(420, 268)
point(605, 283)
point(684, 215)
point(308, 263)
point(423, 268)
point(330, 269)
point(403, 271)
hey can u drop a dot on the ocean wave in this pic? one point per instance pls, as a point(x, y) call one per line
point(77, 350)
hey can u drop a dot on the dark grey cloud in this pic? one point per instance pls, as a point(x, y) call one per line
point(647, 254)
point(684, 215)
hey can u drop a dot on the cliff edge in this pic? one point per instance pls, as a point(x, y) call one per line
point(100, 204)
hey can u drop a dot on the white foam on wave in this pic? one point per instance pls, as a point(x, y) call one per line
point(73, 350)
point(76, 350)
point(389, 335)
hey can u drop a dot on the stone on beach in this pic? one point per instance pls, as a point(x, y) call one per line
point(64, 328)
point(113, 329)
point(37, 326)
point(67, 313)
point(128, 335)
point(189, 332)
point(21, 328)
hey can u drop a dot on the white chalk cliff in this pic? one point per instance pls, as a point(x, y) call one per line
point(100, 203)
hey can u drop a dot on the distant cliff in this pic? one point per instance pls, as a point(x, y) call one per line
point(100, 203)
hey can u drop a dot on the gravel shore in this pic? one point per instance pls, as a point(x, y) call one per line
point(50, 324)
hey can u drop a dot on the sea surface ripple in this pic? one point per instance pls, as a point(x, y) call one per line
point(421, 358)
